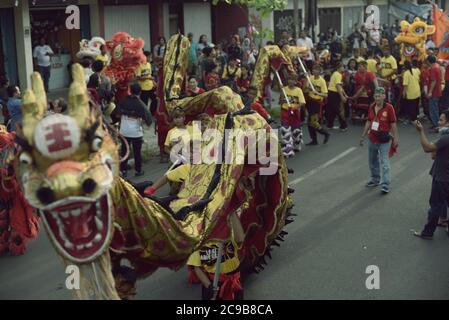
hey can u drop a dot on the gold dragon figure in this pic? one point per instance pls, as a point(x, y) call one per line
point(68, 168)
point(412, 40)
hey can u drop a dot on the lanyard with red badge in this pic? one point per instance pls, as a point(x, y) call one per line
point(375, 124)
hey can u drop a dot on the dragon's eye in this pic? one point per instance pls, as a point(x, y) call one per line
point(97, 143)
point(419, 30)
point(25, 158)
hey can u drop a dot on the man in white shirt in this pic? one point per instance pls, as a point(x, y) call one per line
point(305, 41)
point(43, 53)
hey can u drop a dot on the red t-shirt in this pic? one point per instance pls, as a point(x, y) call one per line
point(424, 78)
point(364, 79)
point(212, 81)
point(435, 75)
point(256, 106)
point(385, 117)
point(190, 93)
point(243, 83)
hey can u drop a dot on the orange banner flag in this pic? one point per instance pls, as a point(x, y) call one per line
point(441, 35)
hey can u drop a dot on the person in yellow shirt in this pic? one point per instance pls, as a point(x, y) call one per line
point(103, 56)
point(388, 66)
point(315, 99)
point(231, 72)
point(371, 62)
point(146, 82)
point(179, 135)
point(336, 99)
point(357, 57)
point(203, 262)
point(292, 104)
point(411, 91)
point(177, 175)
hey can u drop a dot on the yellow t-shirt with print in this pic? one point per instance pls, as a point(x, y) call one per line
point(235, 72)
point(103, 58)
point(144, 71)
point(413, 90)
point(206, 257)
point(176, 135)
point(387, 65)
point(320, 86)
point(179, 174)
point(371, 65)
point(295, 96)
point(336, 79)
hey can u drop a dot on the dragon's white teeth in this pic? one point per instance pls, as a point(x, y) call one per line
point(65, 214)
point(86, 207)
point(97, 238)
point(80, 247)
point(54, 214)
point(99, 224)
point(75, 212)
point(68, 244)
point(88, 245)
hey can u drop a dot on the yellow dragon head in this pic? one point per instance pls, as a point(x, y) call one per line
point(66, 165)
point(413, 38)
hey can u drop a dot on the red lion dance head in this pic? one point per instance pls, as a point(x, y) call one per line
point(126, 55)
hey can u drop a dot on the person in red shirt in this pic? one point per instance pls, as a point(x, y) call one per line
point(255, 105)
point(365, 83)
point(444, 101)
point(424, 82)
point(434, 92)
point(243, 82)
point(193, 89)
point(212, 79)
point(380, 127)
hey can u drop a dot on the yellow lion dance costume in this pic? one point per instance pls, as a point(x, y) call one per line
point(413, 40)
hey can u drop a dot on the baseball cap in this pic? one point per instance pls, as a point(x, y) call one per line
point(379, 90)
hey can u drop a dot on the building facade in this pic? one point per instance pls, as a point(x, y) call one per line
point(23, 22)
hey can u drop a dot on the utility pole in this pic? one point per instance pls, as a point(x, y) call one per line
point(296, 17)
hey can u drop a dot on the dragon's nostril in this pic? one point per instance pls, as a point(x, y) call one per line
point(46, 195)
point(89, 185)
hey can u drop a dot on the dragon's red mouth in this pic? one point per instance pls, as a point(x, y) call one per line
point(409, 50)
point(80, 228)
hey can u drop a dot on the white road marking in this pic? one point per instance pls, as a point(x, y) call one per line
point(323, 166)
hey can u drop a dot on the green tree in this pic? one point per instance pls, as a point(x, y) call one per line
point(264, 7)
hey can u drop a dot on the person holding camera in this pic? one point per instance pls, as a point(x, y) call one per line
point(381, 128)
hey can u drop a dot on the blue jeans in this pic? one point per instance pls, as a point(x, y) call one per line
point(378, 157)
point(45, 74)
point(434, 111)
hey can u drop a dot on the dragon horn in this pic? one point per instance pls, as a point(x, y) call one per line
point(34, 106)
point(78, 97)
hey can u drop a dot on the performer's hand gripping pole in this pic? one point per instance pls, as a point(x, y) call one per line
point(306, 74)
point(215, 286)
point(283, 90)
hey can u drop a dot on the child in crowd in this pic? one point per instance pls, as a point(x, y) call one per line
point(212, 79)
point(242, 83)
point(292, 104)
point(192, 88)
point(315, 99)
point(203, 263)
point(179, 133)
point(231, 73)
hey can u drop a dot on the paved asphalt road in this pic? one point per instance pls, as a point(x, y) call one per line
point(341, 228)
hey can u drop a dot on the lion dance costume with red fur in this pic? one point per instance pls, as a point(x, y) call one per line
point(126, 56)
point(18, 225)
